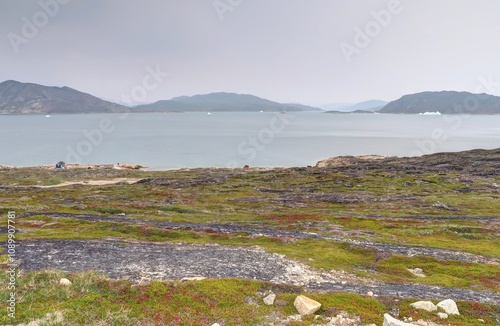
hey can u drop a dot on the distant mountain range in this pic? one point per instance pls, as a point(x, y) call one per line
point(222, 102)
point(445, 102)
point(28, 98)
point(371, 105)
point(24, 98)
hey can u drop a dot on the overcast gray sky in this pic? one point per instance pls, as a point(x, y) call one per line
point(308, 51)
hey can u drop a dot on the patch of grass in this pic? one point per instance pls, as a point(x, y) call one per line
point(467, 236)
point(324, 254)
point(176, 209)
point(369, 309)
point(443, 273)
point(94, 300)
point(51, 182)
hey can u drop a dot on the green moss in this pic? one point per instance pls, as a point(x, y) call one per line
point(443, 273)
point(176, 209)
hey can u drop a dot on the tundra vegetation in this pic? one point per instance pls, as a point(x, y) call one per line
point(446, 201)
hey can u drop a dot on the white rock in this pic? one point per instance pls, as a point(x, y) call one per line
point(449, 306)
point(424, 305)
point(442, 315)
point(305, 305)
point(194, 278)
point(418, 272)
point(215, 324)
point(369, 293)
point(391, 321)
point(269, 300)
point(65, 281)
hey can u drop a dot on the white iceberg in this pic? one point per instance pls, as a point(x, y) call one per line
point(430, 113)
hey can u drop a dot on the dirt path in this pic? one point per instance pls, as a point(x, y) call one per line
point(93, 182)
point(140, 261)
point(404, 250)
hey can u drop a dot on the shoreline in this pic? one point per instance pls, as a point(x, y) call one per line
point(73, 166)
point(333, 161)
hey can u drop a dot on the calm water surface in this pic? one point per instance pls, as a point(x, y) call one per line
point(174, 140)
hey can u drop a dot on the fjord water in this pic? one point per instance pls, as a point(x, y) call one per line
point(176, 140)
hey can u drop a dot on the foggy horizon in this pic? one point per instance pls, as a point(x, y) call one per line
point(308, 52)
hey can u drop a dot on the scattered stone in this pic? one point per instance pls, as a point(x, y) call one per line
point(442, 315)
point(65, 281)
point(449, 306)
point(251, 301)
point(293, 318)
point(421, 322)
point(394, 311)
point(391, 321)
point(369, 293)
point(281, 303)
point(269, 300)
point(306, 306)
point(481, 320)
point(345, 319)
point(417, 272)
point(215, 324)
point(424, 305)
point(443, 206)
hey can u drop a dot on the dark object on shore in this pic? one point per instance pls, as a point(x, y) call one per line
point(60, 165)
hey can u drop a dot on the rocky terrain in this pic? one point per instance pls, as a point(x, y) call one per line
point(364, 237)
